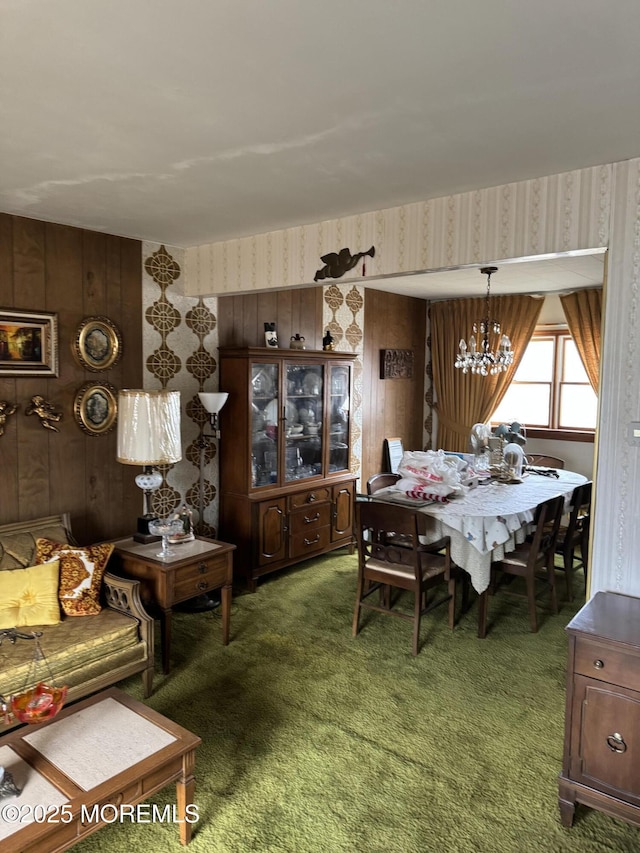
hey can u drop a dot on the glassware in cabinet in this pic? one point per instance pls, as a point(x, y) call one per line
point(264, 423)
point(304, 418)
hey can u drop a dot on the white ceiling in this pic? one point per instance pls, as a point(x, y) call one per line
point(192, 121)
point(572, 271)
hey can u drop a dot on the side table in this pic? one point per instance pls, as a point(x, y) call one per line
point(602, 720)
point(198, 566)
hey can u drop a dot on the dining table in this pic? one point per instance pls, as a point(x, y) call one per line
point(486, 522)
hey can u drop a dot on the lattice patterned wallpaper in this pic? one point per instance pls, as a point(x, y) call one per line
point(180, 341)
point(343, 316)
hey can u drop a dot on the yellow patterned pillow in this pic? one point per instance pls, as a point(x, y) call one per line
point(30, 596)
point(81, 571)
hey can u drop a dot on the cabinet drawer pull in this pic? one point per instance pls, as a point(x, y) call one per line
point(598, 664)
point(312, 497)
point(616, 743)
point(312, 541)
point(201, 585)
point(202, 568)
point(308, 519)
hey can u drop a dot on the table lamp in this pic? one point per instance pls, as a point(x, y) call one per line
point(148, 435)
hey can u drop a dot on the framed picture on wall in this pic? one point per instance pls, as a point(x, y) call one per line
point(396, 364)
point(97, 344)
point(96, 408)
point(28, 343)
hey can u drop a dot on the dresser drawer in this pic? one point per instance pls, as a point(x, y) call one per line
point(201, 576)
point(306, 520)
point(310, 541)
point(312, 496)
point(607, 663)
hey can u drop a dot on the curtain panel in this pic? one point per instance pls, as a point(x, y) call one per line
point(583, 310)
point(466, 399)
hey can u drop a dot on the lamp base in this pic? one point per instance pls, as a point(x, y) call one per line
point(142, 534)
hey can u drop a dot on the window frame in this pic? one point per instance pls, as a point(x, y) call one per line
point(559, 333)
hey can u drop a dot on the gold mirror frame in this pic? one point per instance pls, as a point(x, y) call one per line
point(97, 344)
point(96, 408)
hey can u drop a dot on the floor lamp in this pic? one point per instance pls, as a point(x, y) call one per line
point(148, 435)
point(212, 403)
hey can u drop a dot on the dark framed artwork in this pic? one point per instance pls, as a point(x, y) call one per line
point(96, 408)
point(28, 343)
point(396, 364)
point(97, 344)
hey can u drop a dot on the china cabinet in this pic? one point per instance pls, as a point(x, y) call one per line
point(602, 722)
point(287, 491)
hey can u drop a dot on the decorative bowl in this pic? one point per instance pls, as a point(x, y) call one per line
point(38, 704)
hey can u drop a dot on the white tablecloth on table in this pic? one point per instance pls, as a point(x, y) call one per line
point(491, 520)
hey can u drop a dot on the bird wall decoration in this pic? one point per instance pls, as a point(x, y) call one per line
point(338, 263)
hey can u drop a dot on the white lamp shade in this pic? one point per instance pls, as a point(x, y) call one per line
point(149, 427)
point(213, 401)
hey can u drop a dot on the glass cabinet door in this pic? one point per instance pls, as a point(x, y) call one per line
point(304, 417)
point(265, 410)
point(339, 417)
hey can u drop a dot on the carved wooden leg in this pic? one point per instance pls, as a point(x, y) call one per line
point(566, 802)
point(185, 788)
point(567, 811)
point(165, 635)
point(147, 682)
point(225, 596)
point(482, 614)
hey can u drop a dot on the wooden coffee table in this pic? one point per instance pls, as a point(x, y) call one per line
point(93, 765)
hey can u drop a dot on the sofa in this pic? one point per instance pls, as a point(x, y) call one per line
point(84, 652)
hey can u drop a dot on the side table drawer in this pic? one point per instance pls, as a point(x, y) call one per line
point(607, 663)
point(201, 576)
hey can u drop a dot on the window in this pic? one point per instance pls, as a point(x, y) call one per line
point(550, 389)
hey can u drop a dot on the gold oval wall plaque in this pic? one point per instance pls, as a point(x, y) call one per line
point(97, 344)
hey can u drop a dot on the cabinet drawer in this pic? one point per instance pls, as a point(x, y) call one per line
point(200, 577)
point(310, 541)
point(308, 519)
point(312, 496)
point(607, 663)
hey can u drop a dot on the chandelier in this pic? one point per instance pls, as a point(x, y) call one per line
point(482, 356)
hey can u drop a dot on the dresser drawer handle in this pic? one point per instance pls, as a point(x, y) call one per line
point(201, 585)
point(202, 568)
point(598, 664)
point(616, 743)
point(312, 541)
point(312, 497)
point(308, 519)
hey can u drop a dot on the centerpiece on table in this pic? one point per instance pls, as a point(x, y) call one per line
point(498, 451)
point(511, 438)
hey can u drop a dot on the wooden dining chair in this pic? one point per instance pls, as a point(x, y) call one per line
point(541, 461)
point(384, 566)
point(381, 481)
point(576, 535)
point(533, 560)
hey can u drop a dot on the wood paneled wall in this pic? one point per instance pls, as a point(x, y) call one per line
point(391, 407)
point(77, 274)
point(241, 318)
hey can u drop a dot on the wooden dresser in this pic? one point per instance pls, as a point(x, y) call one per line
point(601, 766)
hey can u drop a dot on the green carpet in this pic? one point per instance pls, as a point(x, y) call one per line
point(315, 742)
